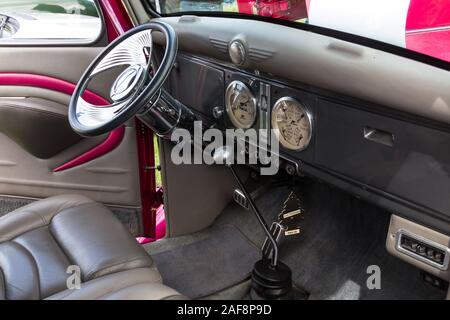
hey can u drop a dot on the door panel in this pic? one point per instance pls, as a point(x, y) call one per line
point(35, 138)
point(33, 122)
point(111, 179)
point(7, 91)
point(64, 63)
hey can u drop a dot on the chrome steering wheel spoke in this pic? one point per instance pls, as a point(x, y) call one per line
point(136, 50)
point(94, 115)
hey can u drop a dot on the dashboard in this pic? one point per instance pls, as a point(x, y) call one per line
point(374, 153)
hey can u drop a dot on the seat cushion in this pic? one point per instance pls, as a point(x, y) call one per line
point(136, 284)
point(39, 242)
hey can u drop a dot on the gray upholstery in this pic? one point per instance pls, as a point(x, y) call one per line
point(135, 284)
point(40, 241)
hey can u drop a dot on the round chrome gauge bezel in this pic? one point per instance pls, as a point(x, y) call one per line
point(286, 144)
point(230, 92)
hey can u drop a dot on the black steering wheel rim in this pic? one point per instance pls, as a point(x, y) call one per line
point(141, 99)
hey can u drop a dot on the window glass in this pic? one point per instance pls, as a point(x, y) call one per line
point(51, 20)
point(418, 25)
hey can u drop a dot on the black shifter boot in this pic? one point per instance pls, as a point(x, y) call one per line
point(271, 282)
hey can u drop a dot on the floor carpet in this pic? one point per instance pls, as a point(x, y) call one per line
point(341, 237)
point(8, 205)
point(223, 259)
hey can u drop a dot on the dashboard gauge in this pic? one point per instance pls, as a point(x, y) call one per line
point(240, 105)
point(292, 123)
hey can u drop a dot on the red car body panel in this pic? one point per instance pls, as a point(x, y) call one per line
point(281, 9)
point(428, 14)
point(428, 28)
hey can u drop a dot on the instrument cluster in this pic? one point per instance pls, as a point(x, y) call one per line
point(291, 120)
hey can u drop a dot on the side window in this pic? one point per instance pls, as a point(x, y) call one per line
point(49, 21)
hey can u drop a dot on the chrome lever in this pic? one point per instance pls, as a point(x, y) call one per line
point(277, 229)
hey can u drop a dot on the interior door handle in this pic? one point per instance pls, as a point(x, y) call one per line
point(379, 136)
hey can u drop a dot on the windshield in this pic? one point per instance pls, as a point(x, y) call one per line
point(418, 25)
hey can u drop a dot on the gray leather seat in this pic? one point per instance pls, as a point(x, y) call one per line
point(39, 242)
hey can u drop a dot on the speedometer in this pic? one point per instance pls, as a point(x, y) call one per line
point(240, 105)
point(292, 123)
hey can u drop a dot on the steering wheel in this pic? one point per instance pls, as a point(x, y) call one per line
point(133, 89)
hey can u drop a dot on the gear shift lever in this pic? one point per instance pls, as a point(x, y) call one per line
point(222, 155)
point(270, 280)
